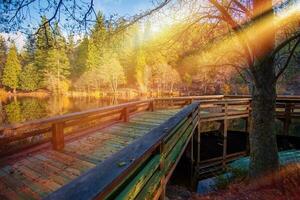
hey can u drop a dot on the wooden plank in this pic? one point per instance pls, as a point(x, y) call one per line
point(45, 170)
point(69, 161)
point(136, 185)
point(174, 139)
point(6, 193)
point(97, 183)
point(60, 168)
point(152, 185)
point(20, 189)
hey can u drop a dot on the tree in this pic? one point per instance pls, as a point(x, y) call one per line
point(44, 43)
point(141, 71)
point(79, 65)
point(259, 50)
point(29, 78)
point(12, 69)
point(30, 48)
point(3, 51)
point(57, 71)
point(113, 73)
point(97, 43)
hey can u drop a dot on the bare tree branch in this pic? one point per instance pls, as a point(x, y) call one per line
point(288, 60)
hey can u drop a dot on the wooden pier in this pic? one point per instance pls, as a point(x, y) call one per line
point(128, 151)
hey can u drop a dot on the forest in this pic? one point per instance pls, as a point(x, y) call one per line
point(136, 59)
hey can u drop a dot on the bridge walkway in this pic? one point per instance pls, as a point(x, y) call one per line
point(35, 175)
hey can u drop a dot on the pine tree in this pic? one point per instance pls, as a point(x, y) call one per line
point(29, 78)
point(80, 59)
point(97, 43)
point(44, 42)
point(57, 70)
point(29, 49)
point(12, 69)
point(3, 51)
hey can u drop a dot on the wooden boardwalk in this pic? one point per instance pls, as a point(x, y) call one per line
point(127, 151)
point(36, 175)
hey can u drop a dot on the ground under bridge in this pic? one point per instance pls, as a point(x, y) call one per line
point(128, 151)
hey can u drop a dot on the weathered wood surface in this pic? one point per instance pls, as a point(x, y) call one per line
point(138, 159)
point(34, 176)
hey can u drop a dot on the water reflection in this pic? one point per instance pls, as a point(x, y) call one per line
point(23, 109)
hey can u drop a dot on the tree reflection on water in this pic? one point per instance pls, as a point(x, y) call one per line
point(16, 110)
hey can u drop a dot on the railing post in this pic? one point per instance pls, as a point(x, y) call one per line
point(125, 114)
point(151, 105)
point(225, 134)
point(287, 119)
point(198, 142)
point(58, 142)
point(161, 168)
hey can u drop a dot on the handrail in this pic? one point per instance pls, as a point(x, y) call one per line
point(126, 164)
point(55, 128)
point(69, 116)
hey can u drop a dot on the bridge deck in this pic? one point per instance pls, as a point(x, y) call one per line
point(35, 175)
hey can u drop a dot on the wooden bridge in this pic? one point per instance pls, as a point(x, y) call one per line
point(128, 151)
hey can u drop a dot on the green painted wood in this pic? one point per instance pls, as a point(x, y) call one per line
point(174, 139)
point(151, 187)
point(173, 155)
point(136, 185)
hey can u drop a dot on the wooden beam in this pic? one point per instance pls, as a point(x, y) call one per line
point(198, 142)
point(58, 136)
point(287, 120)
point(151, 105)
point(225, 127)
point(125, 114)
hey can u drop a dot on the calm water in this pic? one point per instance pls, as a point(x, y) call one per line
point(29, 108)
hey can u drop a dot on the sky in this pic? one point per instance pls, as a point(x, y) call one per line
point(125, 8)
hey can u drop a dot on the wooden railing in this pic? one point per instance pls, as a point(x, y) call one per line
point(59, 128)
point(65, 127)
point(142, 169)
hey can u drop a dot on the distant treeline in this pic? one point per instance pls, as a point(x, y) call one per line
point(113, 56)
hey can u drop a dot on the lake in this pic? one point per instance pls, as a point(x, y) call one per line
point(21, 109)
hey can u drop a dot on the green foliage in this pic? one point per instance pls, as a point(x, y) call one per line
point(97, 43)
point(12, 69)
point(3, 50)
point(32, 108)
point(57, 71)
point(29, 78)
point(30, 47)
point(140, 71)
point(44, 42)
point(80, 56)
point(13, 112)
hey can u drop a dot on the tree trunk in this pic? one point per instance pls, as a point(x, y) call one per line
point(263, 144)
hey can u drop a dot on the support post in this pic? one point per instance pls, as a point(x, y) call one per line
point(192, 161)
point(151, 105)
point(58, 136)
point(198, 142)
point(287, 119)
point(161, 168)
point(225, 135)
point(125, 114)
